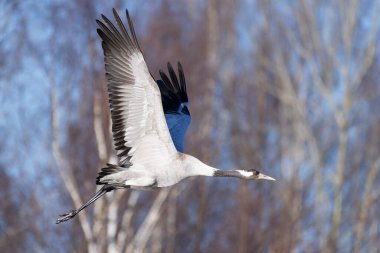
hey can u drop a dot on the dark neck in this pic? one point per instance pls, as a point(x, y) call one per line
point(228, 173)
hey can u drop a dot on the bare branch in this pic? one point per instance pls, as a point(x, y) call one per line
point(143, 234)
point(126, 230)
point(368, 197)
point(63, 168)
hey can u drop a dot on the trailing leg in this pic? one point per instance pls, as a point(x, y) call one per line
point(71, 214)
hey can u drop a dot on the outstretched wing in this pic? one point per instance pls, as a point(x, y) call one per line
point(138, 125)
point(176, 104)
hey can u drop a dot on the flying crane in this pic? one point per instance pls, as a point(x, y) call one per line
point(149, 121)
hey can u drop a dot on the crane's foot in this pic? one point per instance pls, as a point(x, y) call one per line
point(66, 216)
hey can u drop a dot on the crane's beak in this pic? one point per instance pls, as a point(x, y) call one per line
point(262, 176)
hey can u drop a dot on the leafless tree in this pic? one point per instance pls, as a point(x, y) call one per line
point(287, 87)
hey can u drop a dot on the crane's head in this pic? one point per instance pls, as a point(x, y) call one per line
point(254, 174)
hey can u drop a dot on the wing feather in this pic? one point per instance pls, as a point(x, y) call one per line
point(175, 103)
point(134, 98)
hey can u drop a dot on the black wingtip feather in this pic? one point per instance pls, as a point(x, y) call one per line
point(100, 32)
point(173, 89)
point(121, 26)
point(132, 29)
point(116, 40)
point(173, 77)
point(182, 80)
point(110, 169)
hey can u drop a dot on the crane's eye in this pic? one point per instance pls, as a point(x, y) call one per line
point(256, 173)
point(185, 110)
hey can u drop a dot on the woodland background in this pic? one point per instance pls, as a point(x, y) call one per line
point(288, 87)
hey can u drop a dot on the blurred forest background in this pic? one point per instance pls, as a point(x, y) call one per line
point(288, 87)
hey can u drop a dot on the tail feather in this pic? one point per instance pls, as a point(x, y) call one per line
point(110, 169)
